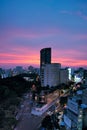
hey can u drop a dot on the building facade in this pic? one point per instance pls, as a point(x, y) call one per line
point(45, 58)
point(84, 97)
point(52, 74)
point(64, 76)
point(75, 115)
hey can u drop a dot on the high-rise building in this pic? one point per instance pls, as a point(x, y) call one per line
point(45, 58)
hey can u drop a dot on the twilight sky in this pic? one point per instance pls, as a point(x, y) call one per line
point(27, 26)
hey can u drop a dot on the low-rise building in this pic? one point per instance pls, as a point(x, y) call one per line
point(64, 76)
point(84, 97)
point(75, 114)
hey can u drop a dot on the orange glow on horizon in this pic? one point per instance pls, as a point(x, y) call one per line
point(31, 56)
point(35, 60)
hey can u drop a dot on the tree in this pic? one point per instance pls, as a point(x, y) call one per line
point(46, 123)
point(63, 100)
point(4, 92)
point(2, 116)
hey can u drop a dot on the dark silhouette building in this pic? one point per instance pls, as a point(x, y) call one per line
point(45, 56)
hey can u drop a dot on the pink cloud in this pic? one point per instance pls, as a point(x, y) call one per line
point(81, 36)
point(19, 59)
point(20, 33)
point(69, 58)
point(23, 51)
point(66, 58)
point(70, 62)
point(27, 55)
point(66, 53)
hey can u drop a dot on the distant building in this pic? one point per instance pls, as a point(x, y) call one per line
point(18, 70)
point(51, 74)
point(69, 73)
point(31, 69)
point(85, 77)
point(79, 75)
point(64, 75)
point(6, 73)
point(45, 58)
point(1, 72)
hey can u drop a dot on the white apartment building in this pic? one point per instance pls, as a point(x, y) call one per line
point(52, 74)
point(75, 115)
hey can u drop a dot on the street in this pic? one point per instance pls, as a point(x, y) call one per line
point(27, 121)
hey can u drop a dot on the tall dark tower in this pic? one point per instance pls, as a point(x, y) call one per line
point(45, 58)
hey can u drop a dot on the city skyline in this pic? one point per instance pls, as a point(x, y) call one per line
point(27, 26)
